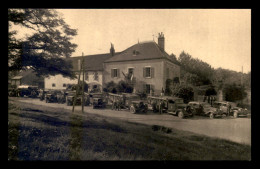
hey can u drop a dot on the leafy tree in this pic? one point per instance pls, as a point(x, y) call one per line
point(47, 46)
point(124, 87)
point(184, 92)
point(234, 92)
point(110, 87)
point(210, 91)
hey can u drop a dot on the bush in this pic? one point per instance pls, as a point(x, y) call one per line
point(184, 92)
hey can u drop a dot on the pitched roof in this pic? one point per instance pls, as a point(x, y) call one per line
point(92, 62)
point(142, 51)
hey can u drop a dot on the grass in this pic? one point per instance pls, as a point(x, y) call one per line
point(41, 133)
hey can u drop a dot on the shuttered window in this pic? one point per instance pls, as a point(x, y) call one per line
point(115, 73)
point(148, 72)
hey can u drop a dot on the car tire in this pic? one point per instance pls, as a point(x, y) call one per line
point(180, 114)
point(132, 110)
point(235, 114)
point(211, 115)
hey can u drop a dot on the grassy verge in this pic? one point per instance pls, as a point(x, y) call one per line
point(41, 133)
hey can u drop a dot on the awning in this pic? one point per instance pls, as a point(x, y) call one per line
point(17, 77)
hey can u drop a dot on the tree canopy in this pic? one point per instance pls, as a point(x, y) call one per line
point(46, 46)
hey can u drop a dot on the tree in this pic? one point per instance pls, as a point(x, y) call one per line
point(124, 87)
point(184, 92)
point(110, 87)
point(234, 92)
point(46, 48)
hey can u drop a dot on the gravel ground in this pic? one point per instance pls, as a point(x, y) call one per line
point(237, 130)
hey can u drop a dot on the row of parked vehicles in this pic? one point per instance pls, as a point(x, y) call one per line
point(133, 103)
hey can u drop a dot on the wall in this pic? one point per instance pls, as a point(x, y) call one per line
point(59, 80)
point(174, 71)
point(156, 80)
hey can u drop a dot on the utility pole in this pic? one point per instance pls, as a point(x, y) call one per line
point(83, 79)
point(77, 89)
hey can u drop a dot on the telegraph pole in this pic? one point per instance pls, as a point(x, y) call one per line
point(83, 79)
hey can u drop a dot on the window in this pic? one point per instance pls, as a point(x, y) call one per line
point(53, 84)
point(64, 85)
point(147, 72)
point(130, 70)
point(148, 88)
point(114, 72)
point(96, 76)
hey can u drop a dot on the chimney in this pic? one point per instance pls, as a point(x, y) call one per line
point(112, 50)
point(161, 40)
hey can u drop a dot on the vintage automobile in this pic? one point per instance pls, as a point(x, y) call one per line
point(138, 107)
point(98, 103)
point(204, 109)
point(94, 95)
point(42, 94)
point(51, 96)
point(171, 105)
point(234, 110)
point(123, 100)
point(61, 97)
point(29, 91)
point(70, 98)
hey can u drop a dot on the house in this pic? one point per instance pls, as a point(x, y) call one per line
point(93, 65)
point(27, 77)
point(148, 63)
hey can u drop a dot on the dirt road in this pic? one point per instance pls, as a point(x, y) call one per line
point(237, 130)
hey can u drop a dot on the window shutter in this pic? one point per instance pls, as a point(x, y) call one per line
point(152, 72)
point(144, 72)
point(112, 73)
point(118, 73)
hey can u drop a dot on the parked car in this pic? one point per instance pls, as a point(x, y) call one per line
point(234, 110)
point(171, 105)
point(70, 98)
point(61, 97)
point(42, 94)
point(138, 107)
point(123, 100)
point(204, 109)
point(29, 91)
point(51, 96)
point(98, 103)
point(94, 95)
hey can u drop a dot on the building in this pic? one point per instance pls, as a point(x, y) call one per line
point(27, 77)
point(93, 65)
point(148, 63)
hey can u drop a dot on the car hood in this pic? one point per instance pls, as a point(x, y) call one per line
point(210, 109)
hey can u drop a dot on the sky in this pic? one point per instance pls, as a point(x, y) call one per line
point(220, 37)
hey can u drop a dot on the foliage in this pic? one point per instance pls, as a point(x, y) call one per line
point(210, 91)
point(110, 87)
point(234, 92)
point(43, 50)
point(185, 92)
point(195, 71)
point(124, 87)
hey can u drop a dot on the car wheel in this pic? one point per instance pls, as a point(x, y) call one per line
point(211, 115)
point(180, 114)
point(235, 114)
point(132, 110)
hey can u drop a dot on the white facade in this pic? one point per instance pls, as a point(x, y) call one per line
point(59, 82)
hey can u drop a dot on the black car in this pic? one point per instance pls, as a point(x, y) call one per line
point(51, 96)
point(138, 107)
point(98, 103)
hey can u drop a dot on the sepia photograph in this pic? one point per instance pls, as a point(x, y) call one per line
point(129, 84)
